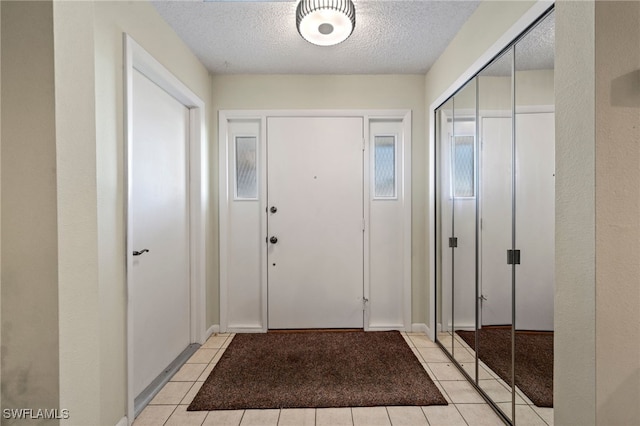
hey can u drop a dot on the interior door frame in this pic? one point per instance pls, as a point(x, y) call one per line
point(226, 116)
point(137, 58)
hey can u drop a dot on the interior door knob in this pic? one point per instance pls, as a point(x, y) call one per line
point(273, 209)
point(138, 253)
point(273, 240)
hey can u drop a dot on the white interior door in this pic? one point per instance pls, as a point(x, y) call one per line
point(159, 279)
point(315, 181)
point(496, 223)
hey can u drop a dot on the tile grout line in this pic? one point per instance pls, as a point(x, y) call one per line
point(461, 415)
point(169, 418)
point(386, 409)
point(538, 414)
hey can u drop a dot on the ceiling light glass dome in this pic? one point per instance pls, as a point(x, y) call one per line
point(325, 22)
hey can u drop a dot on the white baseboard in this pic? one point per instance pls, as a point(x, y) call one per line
point(463, 327)
point(215, 328)
point(123, 422)
point(247, 329)
point(419, 327)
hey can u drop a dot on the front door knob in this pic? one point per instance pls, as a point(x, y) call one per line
point(273, 240)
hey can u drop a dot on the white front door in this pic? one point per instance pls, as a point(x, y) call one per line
point(159, 279)
point(315, 222)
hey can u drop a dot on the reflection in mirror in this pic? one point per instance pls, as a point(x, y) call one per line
point(462, 148)
point(495, 174)
point(535, 219)
point(495, 313)
point(444, 308)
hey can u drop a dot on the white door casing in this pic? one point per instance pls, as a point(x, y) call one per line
point(315, 178)
point(138, 60)
point(243, 294)
point(160, 219)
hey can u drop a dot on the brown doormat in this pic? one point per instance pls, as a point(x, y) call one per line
point(534, 359)
point(314, 370)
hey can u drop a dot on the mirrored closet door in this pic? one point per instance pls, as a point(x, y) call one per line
point(495, 172)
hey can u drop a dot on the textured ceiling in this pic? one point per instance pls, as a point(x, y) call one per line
point(260, 37)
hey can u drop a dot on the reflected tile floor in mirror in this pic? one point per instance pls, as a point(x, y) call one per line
point(466, 406)
point(499, 391)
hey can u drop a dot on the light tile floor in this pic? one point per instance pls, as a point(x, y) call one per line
point(466, 407)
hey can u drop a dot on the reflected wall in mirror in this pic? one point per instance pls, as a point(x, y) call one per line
point(495, 174)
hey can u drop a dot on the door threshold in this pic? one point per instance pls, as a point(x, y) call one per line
point(145, 397)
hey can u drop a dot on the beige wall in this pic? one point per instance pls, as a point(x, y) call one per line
point(597, 367)
point(79, 303)
point(29, 230)
point(617, 236)
point(141, 21)
point(63, 284)
point(574, 360)
point(338, 92)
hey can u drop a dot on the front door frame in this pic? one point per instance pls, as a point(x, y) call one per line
point(137, 58)
point(226, 169)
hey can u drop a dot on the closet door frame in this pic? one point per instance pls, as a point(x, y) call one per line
point(505, 44)
point(528, 19)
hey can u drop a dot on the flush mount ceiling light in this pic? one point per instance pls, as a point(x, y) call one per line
point(325, 22)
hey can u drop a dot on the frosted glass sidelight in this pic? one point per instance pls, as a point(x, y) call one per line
point(246, 168)
point(385, 166)
point(464, 166)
